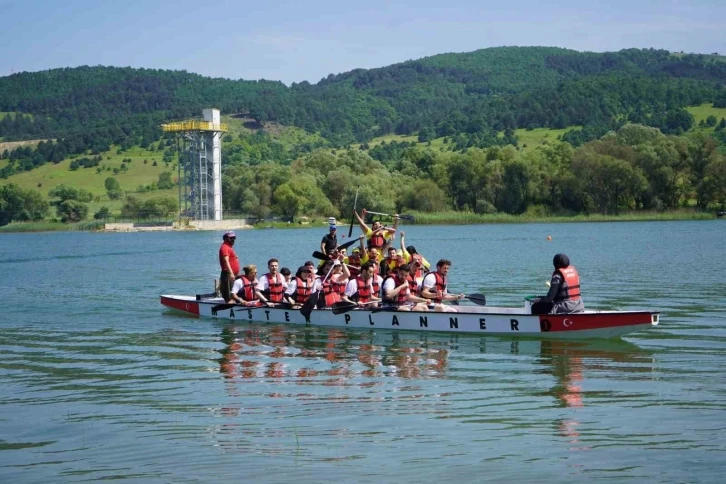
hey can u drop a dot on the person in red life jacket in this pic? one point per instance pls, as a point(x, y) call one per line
point(272, 285)
point(334, 287)
point(300, 287)
point(324, 283)
point(397, 294)
point(390, 262)
point(410, 255)
point(311, 266)
point(360, 290)
point(353, 262)
point(244, 290)
point(230, 265)
point(377, 235)
point(433, 287)
point(564, 293)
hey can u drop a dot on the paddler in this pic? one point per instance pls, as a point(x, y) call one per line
point(411, 256)
point(360, 290)
point(272, 285)
point(397, 294)
point(377, 235)
point(244, 290)
point(433, 287)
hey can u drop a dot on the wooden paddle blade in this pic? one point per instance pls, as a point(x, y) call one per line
point(347, 244)
point(343, 307)
point(307, 308)
point(410, 218)
point(479, 299)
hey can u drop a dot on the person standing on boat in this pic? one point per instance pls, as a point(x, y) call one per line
point(564, 293)
point(330, 240)
point(397, 294)
point(433, 287)
point(377, 235)
point(229, 263)
point(272, 285)
point(360, 290)
point(244, 290)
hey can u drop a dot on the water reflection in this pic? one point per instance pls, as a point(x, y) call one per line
point(309, 355)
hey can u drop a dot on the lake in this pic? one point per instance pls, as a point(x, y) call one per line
point(98, 381)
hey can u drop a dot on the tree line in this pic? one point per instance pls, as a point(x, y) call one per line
point(634, 168)
point(490, 90)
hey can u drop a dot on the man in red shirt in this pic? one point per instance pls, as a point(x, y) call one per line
point(230, 265)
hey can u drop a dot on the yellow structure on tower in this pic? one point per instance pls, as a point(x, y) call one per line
point(200, 165)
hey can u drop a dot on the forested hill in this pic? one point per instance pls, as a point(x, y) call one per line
point(482, 92)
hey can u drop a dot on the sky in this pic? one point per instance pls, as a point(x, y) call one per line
point(294, 41)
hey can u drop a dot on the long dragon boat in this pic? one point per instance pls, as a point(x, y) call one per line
point(482, 320)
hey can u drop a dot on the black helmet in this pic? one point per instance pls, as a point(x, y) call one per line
point(560, 261)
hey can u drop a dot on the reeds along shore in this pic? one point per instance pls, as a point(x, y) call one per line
point(437, 218)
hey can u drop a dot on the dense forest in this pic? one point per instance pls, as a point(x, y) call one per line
point(630, 143)
point(488, 90)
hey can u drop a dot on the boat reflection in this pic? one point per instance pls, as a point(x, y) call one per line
point(339, 357)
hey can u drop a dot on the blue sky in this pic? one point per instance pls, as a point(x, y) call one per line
point(301, 40)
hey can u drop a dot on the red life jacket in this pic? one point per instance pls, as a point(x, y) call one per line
point(247, 292)
point(419, 259)
point(377, 240)
point(402, 296)
point(354, 265)
point(331, 296)
point(570, 289)
point(412, 285)
point(363, 291)
point(339, 287)
point(376, 286)
point(439, 286)
point(303, 290)
point(277, 288)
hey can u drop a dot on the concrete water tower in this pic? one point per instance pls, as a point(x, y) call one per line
point(200, 165)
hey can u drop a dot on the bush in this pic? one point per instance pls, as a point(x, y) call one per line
point(102, 213)
point(72, 211)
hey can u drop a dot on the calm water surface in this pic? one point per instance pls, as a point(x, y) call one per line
point(98, 382)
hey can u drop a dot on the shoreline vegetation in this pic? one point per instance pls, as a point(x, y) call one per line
point(434, 218)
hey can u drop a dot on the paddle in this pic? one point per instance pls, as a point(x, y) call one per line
point(343, 307)
point(312, 300)
point(402, 217)
point(319, 255)
point(352, 216)
point(479, 299)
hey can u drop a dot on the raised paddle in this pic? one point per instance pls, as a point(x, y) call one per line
point(352, 216)
point(402, 217)
point(319, 255)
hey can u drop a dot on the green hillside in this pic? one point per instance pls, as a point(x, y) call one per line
point(505, 130)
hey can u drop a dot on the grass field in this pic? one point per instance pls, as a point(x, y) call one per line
point(49, 176)
point(539, 136)
point(700, 113)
